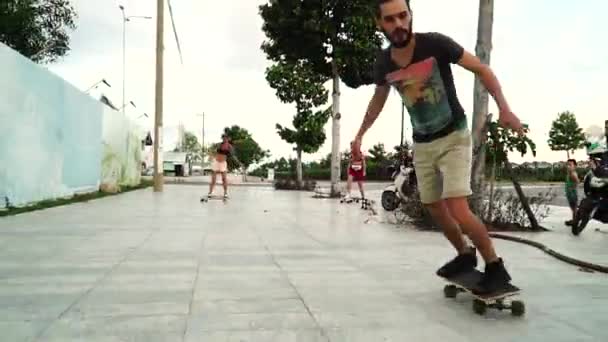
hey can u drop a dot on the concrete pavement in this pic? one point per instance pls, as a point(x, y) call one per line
point(265, 266)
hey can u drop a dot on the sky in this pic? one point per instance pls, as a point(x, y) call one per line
point(547, 54)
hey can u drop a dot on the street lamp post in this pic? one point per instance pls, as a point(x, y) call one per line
point(125, 19)
point(158, 118)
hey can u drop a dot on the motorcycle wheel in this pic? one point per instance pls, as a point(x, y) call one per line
point(582, 217)
point(389, 200)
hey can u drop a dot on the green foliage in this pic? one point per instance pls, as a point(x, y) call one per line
point(246, 150)
point(38, 29)
point(191, 145)
point(565, 134)
point(319, 32)
point(501, 141)
point(295, 83)
point(378, 153)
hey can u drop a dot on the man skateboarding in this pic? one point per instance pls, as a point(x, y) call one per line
point(417, 65)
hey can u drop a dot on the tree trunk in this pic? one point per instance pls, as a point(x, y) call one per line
point(335, 133)
point(480, 103)
point(522, 198)
point(490, 217)
point(299, 167)
point(477, 168)
point(567, 154)
point(244, 170)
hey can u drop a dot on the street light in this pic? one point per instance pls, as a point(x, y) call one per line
point(158, 96)
point(130, 103)
point(103, 80)
point(126, 18)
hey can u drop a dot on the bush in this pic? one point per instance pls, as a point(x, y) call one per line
point(525, 174)
point(507, 211)
point(292, 184)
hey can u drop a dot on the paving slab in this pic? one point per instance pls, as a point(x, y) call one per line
point(268, 266)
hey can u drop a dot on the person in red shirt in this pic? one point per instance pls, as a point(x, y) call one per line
point(356, 171)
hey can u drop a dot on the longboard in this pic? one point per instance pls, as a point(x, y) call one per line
point(207, 198)
point(350, 200)
point(467, 282)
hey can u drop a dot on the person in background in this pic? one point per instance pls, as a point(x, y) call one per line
point(572, 182)
point(220, 165)
point(357, 172)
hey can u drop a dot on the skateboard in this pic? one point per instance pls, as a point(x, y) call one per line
point(351, 200)
point(466, 282)
point(219, 198)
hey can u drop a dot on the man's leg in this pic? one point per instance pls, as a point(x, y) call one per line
point(455, 165)
point(429, 185)
point(473, 227)
point(451, 230)
point(225, 183)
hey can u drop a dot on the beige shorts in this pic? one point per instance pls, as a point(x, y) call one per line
point(219, 166)
point(443, 167)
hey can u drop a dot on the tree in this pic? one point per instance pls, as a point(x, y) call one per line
point(336, 39)
point(378, 154)
point(483, 49)
point(296, 83)
point(246, 150)
point(565, 134)
point(190, 145)
point(38, 29)
point(499, 143)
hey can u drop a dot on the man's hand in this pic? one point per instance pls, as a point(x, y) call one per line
point(506, 118)
point(356, 147)
point(509, 120)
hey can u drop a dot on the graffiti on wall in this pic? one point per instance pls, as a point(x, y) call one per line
point(121, 161)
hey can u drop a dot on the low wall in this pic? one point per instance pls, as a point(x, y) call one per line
point(50, 134)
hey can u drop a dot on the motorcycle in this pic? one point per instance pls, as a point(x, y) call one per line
point(595, 185)
point(404, 185)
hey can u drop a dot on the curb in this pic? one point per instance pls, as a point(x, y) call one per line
point(551, 252)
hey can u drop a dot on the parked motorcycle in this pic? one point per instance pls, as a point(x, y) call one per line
point(595, 184)
point(404, 184)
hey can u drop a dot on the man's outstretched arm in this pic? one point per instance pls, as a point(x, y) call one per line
point(490, 81)
point(374, 108)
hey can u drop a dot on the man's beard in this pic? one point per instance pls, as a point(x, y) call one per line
point(401, 43)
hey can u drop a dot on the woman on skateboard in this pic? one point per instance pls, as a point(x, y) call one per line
point(356, 171)
point(220, 165)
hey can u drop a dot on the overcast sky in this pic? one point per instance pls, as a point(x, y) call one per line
point(548, 54)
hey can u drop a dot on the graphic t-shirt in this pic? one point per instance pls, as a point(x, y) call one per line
point(426, 85)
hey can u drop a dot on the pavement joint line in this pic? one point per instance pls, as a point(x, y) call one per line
point(95, 285)
point(198, 267)
point(295, 289)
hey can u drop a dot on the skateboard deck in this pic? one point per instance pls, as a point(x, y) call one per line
point(351, 200)
point(219, 198)
point(467, 282)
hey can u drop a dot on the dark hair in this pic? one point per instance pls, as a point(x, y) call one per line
point(572, 160)
point(380, 2)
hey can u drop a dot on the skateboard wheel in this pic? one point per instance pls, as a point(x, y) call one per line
point(518, 308)
point(450, 291)
point(479, 306)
